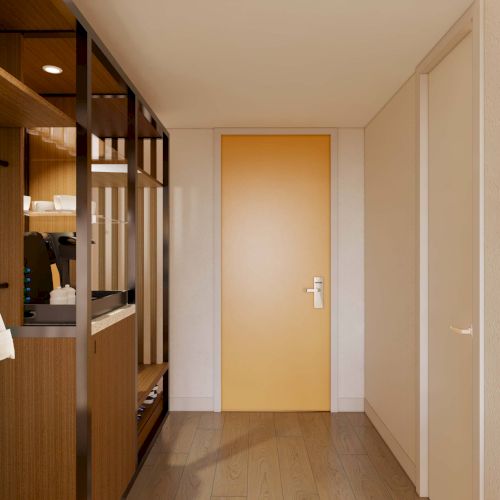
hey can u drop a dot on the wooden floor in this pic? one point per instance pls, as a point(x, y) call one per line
point(240, 456)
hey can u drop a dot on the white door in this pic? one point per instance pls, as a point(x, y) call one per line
point(451, 224)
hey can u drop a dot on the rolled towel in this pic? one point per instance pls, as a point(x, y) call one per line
point(6, 342)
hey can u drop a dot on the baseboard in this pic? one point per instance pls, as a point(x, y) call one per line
point(351, 404)
point(191, 404)
point(405, 461)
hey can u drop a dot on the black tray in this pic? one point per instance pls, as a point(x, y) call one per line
point(47, 314)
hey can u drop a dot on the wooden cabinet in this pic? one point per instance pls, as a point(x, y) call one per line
point(37, 421)
point(113, 410)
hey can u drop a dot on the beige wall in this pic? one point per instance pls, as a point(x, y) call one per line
point(492, 249)
point(390, 274)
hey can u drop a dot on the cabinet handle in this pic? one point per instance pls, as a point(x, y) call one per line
point(4, 163)
point(4, 285)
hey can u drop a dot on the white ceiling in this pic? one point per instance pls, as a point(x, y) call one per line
point(269, 63)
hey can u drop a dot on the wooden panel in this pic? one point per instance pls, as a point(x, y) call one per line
point(38, 416)
point(62, 52)
point(114, 428)
point(22, 107)
point(109, 116)
point(36, 15)
point(11, 194)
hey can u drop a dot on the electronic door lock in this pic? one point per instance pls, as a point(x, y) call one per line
point(317, 291)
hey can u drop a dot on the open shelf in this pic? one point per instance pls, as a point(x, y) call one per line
point(149, 418)
point(147, 378)
point(112, 179)
point(22, 107)
point(51, 213)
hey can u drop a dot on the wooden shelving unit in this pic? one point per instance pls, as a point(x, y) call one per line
point(147, 378)
point(22, 107)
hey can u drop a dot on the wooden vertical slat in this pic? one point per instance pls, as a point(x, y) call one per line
point(140, 275)
point(95, 246)
point(147, 276)
point(154, 160)
point(159, 160)
point(159, 275)
point(153, 273)
point(101, 240)
point(147, 155)
point(122, 239)
point(108, 238)
point(114, 239)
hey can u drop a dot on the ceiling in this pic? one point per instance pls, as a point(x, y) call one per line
point(269, 63)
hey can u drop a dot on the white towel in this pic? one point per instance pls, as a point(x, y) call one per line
point(6, 342)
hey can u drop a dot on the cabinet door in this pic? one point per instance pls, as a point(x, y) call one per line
point(113, 407)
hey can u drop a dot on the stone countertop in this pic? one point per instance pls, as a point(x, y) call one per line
point(106, 320)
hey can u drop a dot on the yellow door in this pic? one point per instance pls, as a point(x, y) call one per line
point(275, 240)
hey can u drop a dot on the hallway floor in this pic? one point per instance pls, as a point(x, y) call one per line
point(271, 456)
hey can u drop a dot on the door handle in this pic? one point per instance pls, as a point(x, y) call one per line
point(461, 331)
point(317, 291)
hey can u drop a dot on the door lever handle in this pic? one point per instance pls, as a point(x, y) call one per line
point(311, 290)
point(461, 331)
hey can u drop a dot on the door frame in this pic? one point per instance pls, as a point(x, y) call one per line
point(470, 23)
point(335, 289)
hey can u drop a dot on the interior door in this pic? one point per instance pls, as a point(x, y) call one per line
point(451, 275)
point(275, 241)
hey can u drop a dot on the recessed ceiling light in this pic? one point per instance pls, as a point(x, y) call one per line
point(53, 70)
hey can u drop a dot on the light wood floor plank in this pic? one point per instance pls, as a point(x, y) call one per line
point(392, 473)
point(198, 476)
point(178, 433)
point(343, 435)
point(365, 482)
point(331, 479)
point(212, 421)
point(264, 480)
point(372, 442)
point(160, 481)
point(296, 474)
point(231, 475)
point(287, 424)
point(358, 419)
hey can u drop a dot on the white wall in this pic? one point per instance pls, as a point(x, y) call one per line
point(191, 269)
point(192, 272)
point(391, 274)
point(351, 315)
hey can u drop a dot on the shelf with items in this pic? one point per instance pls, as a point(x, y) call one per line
point(147, 377)
point(148, 419)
